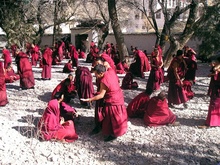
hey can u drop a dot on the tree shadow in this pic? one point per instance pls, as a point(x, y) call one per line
point(191, 122)
point(12, 86)
point(46, 97)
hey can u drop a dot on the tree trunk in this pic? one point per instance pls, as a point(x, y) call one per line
point(117, 30)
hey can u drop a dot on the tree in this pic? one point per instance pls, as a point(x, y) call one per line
point(116, 29)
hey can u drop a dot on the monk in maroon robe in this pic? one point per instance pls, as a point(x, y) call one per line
point(122, 67)
point(137, 106)
point(68, 67)
point(156, 74)
point(13, 49)
point(10, 75)
point(128, 83)
point(107, 58)
point(53, 127)
point(74, 55)
point(158, 112)
point(176, 74)
point(61, 47)
point(114, 121)
point(84, 85)
point(6, 56)
point(47, 63)
point(67, 112)
point(34, 54)
point(67, 87)
point(24, 70)
point(3, 94)
point(140, 65)
point(81, 54)
point(212, 77)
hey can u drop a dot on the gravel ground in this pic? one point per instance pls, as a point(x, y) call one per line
point(141, 145)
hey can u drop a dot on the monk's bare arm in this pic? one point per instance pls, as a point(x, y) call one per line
point(175, 67)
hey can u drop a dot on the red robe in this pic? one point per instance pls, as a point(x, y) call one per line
point(3, 94)
point(82, 55)
point(67, 68)
point(7, 57)
point(50, 128)
point(47, 62)
point(158, 113)
point(120, 68)
point(128, 83)
point(137, 106)
point(107, 58)
point(25, 71)
point(66, 111)
point(176, 93)
point(11, 76)
point(84, 85)
point(34, 55)
point(60, 50)
point(191, 69)
point(213, 117)
point(74, 56)
point(114, 112)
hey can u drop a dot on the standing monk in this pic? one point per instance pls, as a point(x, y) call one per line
point(74, 55)
point(156, 73)
point(47, 62)
point(176, 74)
point(34, 54)
point(6, 56)
point(24, 70)
point(3, 94)
point(114, 121)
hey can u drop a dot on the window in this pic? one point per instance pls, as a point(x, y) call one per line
point(158, 15)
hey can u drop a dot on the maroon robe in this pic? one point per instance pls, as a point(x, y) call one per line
point(107, 58)
point(3, 94)
point(60, 50)
point(11, 76)
point(137, 106)
point(74, 56)
point(213, 117)
point(158, 113)
point(156, 75)
point(187, 86)
point(82, 54)
point(49, 125)
point(7, 57)
point(84, 85)
point(67, 68)
point(128, 83)
point(191, 69)
point(176, 93)
point(34, 55)
point(114, 112)
point(47, 62)
point(120, 68)
point(66, 111)
point(25, 71)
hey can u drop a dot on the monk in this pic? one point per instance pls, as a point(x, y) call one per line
point(74, 55)
point(10, 75)
point(156, 74)
point(140, 65)
point(213, 117)
point(61, 48)
point(122, 67)
point(191, 68)
point(67, 87)
point(68, 67)
point(189, 52)
point(84, 85)
point(3, 93)
point(67, 112)
point(128, 83)
point(52, 126)
point(137, 106)
point(107, 58)
point(158, 112)
point(46, 63)
point(81, 54)
point(6, 55)
point(114, 121)
point(34, 54)
point(176, 74)
point(24, 69)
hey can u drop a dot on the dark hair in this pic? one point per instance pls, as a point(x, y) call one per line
point(99, 59)
point(69, 61)
point(149, 91)
point(99, 68)
point(67, 82)
point(9, 64)
point(179, 53)
point(58, 95)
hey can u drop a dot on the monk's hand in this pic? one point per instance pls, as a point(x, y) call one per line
point(85, 100)
point(62, 120)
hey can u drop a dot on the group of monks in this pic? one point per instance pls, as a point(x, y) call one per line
point(111, 115)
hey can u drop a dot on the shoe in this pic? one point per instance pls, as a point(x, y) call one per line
point(203, 126)
point(176, 123)
point(110, 138)
point(96, 130)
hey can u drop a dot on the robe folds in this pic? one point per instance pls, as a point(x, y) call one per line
point(138, 106)
point(49, 125)
point(74, 56)
point(84, 85)
point(11, 76)
point(128, 83)
point(7, 57)
point(158, 113)
point(213, 117)
point(25, 71)
point(3, 93)
point(67, 68)
point(114, 112)
point(47, 62)
point(191, 70)
point(107, 58)
point(34, 55)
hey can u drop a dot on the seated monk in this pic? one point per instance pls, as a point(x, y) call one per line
point(10, 75)
point(128, 83)
point(137, 106)
point(67, 87)
point(52, 126)
point(122, 67)
point(67, 112)
point(81, 54)
point(68, 67)
point(158, 112)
